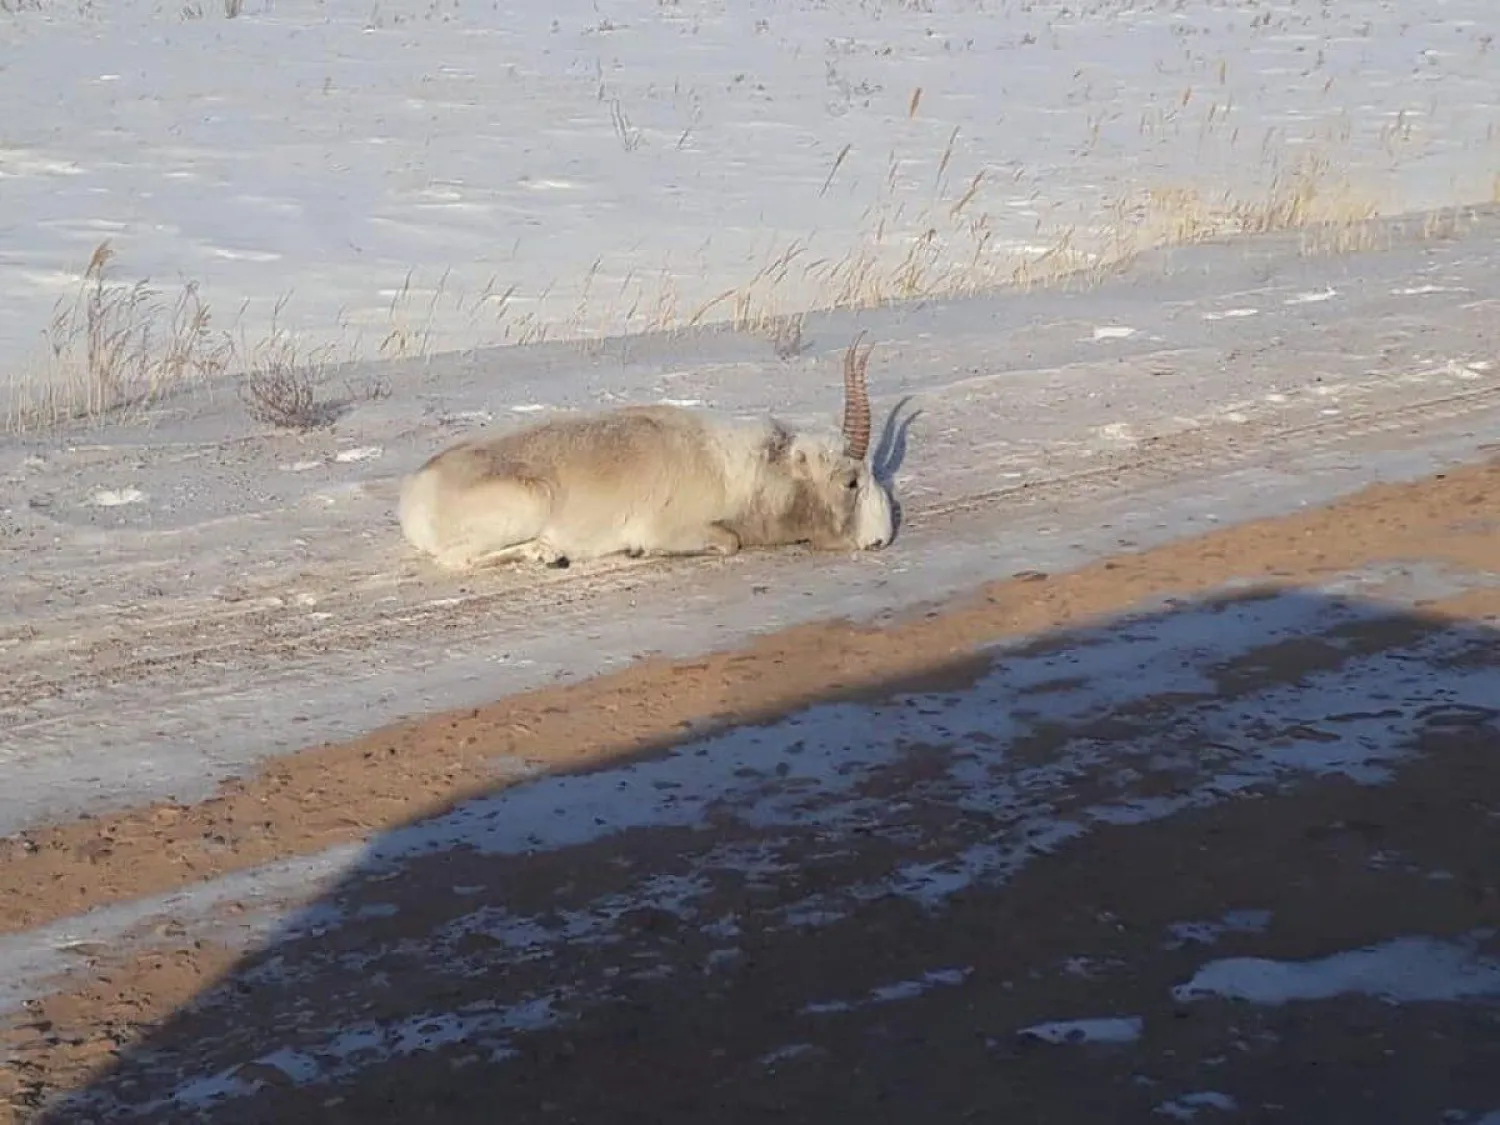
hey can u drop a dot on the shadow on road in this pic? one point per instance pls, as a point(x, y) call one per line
point(1230, 859)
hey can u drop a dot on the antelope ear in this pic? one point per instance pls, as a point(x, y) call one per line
point(779, 443)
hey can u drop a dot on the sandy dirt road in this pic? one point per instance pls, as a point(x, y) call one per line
point(1205, 832)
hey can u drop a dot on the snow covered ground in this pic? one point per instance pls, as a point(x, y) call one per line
point(397, 177)
point(188, 593)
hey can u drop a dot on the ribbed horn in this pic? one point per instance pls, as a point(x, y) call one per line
point(856, 400)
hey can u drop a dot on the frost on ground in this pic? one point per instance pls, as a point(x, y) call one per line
point(423, 176)
point(187, 596)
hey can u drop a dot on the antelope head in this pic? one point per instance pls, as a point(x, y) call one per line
point(872, 525)
point(836, 503)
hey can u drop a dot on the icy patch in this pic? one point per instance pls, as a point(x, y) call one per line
point(1207, 933)
point(1407, 970)
point(484, 1028)
point(1117, 432)
point(1102, 1029)
point(1231, 314)
point(340, 492)
point(1089, 967)
point(889, 993)
point(1113, 332)
point(1186, 1107)
point(1420, 290)
point(790, 1051)
point(116, 497)
point(909, 989)
point(358, 453)
point(1312, 298)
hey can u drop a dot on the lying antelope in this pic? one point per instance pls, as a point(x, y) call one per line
point(650, 480)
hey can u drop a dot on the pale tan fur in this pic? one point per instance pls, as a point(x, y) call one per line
point(656, 480)
point(650, 480)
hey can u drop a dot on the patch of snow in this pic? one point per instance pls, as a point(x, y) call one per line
point(790, 1051)
point(1420, 290)
point(354, 1047)
point(1406, 970)
point(358, 453)
point(1312, 298)
point(116, 497)
point(1186, 1107)
point(720, 154)
point(1117, 432)
point(824, 1007)
point(1207, 933)
point(890, 993)
point(1101, 1029)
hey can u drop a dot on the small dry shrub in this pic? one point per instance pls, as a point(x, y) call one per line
point(279, 386)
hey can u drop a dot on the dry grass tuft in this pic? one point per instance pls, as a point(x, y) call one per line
point(113, 346)
point(1304, 197)
point(952, 246)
